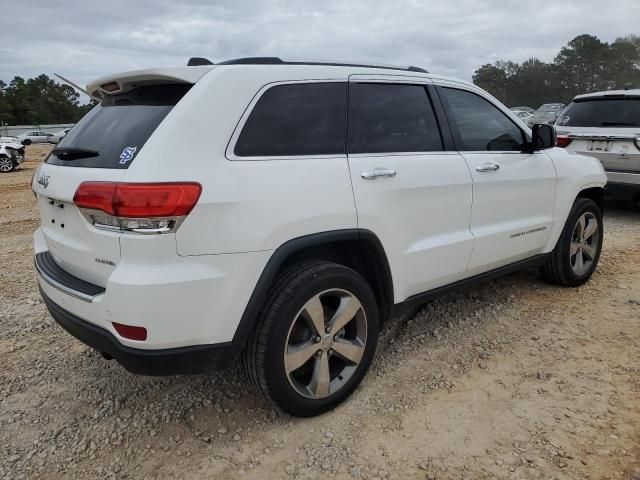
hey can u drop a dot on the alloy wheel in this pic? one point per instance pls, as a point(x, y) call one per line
point(584, 243)
point(6, 164)
point(325, 343)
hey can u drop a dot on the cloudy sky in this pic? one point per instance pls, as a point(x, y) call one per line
point(85, 39)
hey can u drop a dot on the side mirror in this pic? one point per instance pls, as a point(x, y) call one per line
point(544, 136)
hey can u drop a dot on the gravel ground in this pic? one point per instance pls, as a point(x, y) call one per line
point(512, 379)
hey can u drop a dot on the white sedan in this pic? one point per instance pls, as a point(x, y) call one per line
point(36, 136)
point(522, 115)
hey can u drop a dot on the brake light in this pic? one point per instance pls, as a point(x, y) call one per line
point(110, 87)
point(137, 207)
point(130, 332)
point(563, 141)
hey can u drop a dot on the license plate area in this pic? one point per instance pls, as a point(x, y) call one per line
point(600, 145)
point(55, 214)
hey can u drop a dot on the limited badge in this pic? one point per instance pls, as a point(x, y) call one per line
point(127, 154)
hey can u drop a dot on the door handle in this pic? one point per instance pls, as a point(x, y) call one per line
point(487, 167)
point(377, 172)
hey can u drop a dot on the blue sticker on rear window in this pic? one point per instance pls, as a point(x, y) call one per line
point(127, 154)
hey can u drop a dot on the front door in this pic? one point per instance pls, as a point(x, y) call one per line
point(514, 191)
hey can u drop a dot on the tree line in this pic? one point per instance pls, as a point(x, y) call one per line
point(584, 65)
point(39, 101)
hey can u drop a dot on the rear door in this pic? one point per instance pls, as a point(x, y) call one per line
point(514, 192)
point(99, 148)
point(409, 189)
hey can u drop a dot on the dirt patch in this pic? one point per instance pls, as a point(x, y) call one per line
point(512, 379)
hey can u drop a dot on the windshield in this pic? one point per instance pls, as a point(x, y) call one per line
point(116, 129)
point(602, 112)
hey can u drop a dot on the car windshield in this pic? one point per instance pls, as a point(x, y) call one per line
point(602, 112)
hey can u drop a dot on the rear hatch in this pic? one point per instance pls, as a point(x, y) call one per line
point(606, 128)
point(100, 148)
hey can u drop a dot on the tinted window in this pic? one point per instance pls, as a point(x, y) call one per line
point(299, 119)
point(480, 124)
point(118, 127)
point(602, 113)
point(392, 118)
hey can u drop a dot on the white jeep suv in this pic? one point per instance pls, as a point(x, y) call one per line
point(606, 125)
point(305, 204)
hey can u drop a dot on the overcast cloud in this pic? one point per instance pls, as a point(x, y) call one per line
point(86, 39)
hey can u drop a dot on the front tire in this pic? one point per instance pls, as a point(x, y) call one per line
point(576, 255)
point(6, 164)
point(26, 142)
point(316, 338)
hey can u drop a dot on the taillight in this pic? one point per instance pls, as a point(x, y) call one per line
point(33, 177)
point(137, 207)
point(562, 141)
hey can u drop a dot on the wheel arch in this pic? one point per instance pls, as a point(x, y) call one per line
point(593, 193)
point(358, 249)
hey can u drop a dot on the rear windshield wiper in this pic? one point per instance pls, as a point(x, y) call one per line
point(618, 124)
point(73, 153)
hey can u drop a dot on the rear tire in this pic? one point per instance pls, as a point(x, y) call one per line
point(315, 339)
point(576, 255)
point(6, 164)
point(26, 142)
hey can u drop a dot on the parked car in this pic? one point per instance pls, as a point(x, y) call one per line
point(606, 125)
point(8, 139)
point(36, 136)
point(547, 113)
point(523, 109)
point(522, 115)
point(11, 156)
point(281, 237)
point(59, 135)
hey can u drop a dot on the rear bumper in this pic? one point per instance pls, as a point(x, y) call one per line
point(626, 178)
point(170, 361)
point(623, 191)
point(180, 301)
point(623, 185)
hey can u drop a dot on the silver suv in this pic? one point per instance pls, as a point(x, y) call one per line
point(606, 125)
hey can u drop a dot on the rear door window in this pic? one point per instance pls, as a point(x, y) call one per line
point(602, 112)
point(296, 119)
point(387, 117)
point(116, 129)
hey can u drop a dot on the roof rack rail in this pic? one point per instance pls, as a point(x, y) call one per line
point(253, 61)
point(279, 61)
point(197, 61)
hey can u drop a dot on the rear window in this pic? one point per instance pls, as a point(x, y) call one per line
point(116, 129)
point(298, 119)
point(551, 107)
point(605, 112)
